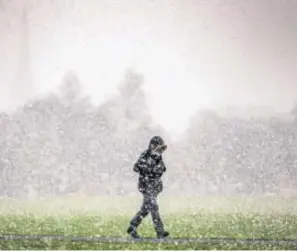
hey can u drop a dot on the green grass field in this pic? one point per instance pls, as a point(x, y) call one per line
point(207, 217)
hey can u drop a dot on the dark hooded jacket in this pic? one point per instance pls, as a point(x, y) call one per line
point(151, 168)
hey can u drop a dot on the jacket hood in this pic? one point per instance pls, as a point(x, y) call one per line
point(155, 142)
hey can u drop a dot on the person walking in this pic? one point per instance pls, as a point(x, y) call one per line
point(150, 167)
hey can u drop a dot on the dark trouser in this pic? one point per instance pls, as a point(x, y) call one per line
point(149, 205)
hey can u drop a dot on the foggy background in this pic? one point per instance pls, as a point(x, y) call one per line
point(86, 84)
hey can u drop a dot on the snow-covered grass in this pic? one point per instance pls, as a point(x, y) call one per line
point(267, 218)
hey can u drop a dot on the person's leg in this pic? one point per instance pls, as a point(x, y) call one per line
point(157, 221)
point(154, 208)
point(137, 219)
point(142, 213)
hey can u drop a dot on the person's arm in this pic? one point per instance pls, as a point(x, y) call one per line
point(160, 168)
point(141, 166)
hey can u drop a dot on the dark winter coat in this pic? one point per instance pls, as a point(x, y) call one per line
point(151, 168)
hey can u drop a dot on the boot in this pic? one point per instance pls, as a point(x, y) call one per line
point(162, 234)
point(133, 233)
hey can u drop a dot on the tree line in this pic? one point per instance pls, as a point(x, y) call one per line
point(62, 143)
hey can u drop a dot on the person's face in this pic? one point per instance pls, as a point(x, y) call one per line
point(159, 150)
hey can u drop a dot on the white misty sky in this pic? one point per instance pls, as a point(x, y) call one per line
point(192, 53)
